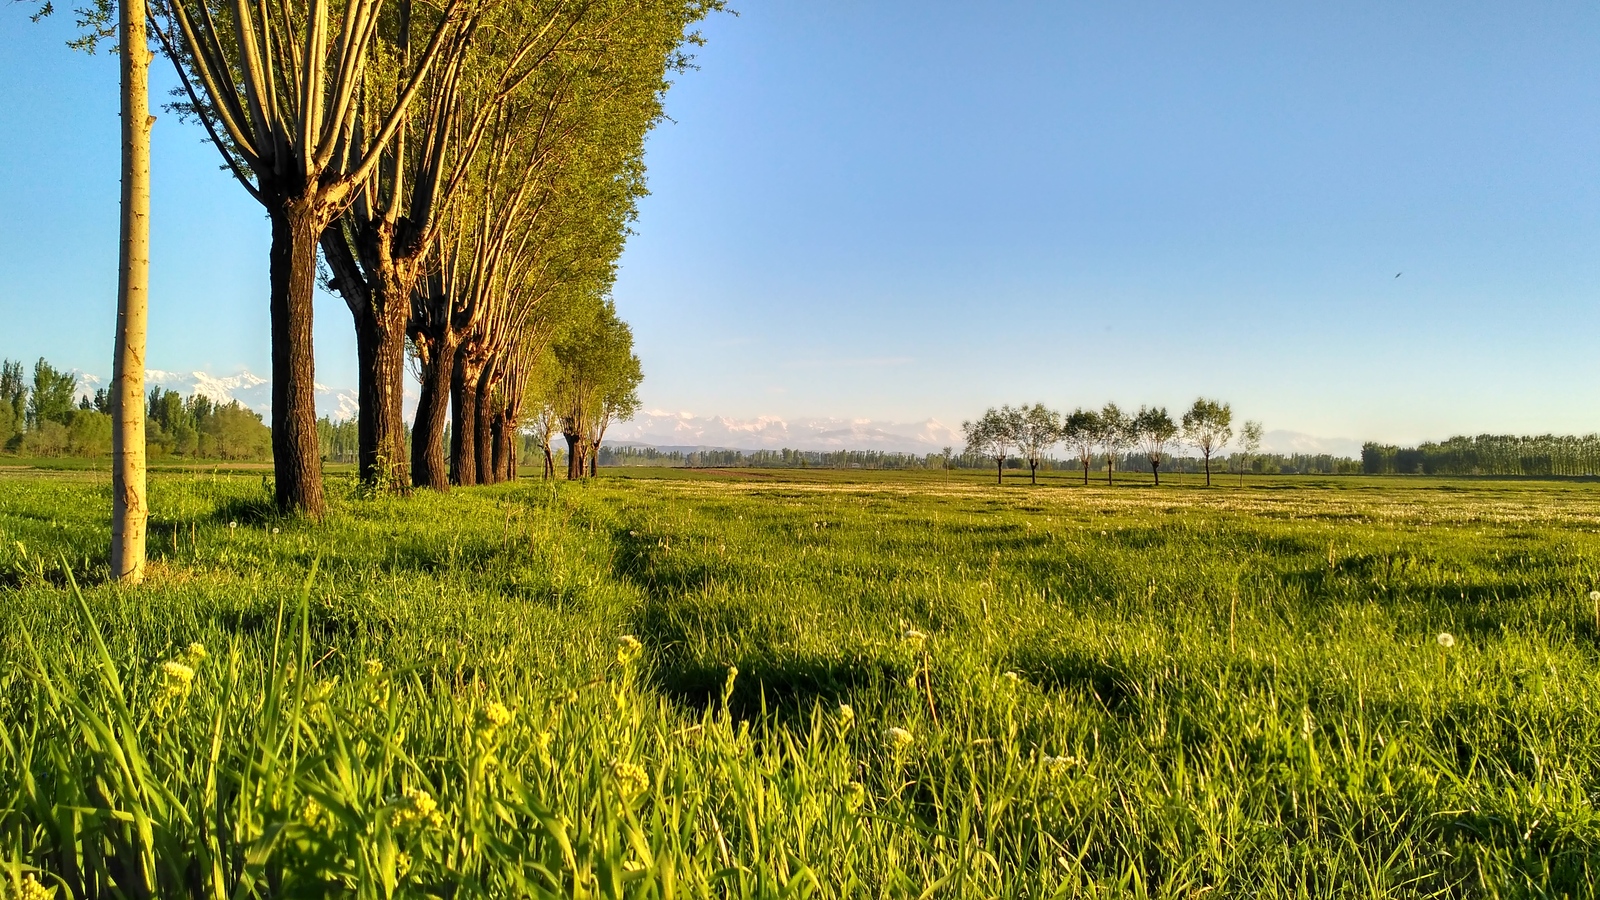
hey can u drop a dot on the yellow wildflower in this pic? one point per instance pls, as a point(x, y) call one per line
point(631, 777)
point(418, 807)
point(628, 649)
point(177, 677)
point(897, 737)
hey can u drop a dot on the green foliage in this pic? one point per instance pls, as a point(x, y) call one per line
point(1100, 693)
point(200, 428)
point(50, 400)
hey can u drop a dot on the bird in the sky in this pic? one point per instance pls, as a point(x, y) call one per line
point(1398, 274)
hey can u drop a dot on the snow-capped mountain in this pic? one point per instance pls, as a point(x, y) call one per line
point(250, 389)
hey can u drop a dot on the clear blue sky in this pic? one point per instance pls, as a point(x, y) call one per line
point(904, 210)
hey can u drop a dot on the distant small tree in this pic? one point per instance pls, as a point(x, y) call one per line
point(993, 435)
point(945, 459)
point(1208, 426)
point(1155, 431)
point(1114, 434)
point(1080, 430)
point(1249, 443)
point(51, 397)
point(1038, 429)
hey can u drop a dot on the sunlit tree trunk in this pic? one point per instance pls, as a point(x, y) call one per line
point(483, 424)
point(296, 461)
point(464, 420)
point(129, 510)
point(428, 467)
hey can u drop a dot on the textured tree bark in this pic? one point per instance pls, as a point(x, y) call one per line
point(463, 421)
point(295, 455)
point(574, 458)
point(999, 471)
point(594, 459)
point(381, 354)
point(1155, 469)
point(129, 511)
point(428, 469)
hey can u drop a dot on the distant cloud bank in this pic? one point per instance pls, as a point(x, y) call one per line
point(666, 429)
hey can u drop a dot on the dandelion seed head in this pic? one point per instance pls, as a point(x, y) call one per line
point(1446, 639)
point(1594, 596)
point(913, 637)
point(232, 525)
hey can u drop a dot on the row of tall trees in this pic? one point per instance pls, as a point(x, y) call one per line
point(466, 170)
point(1030, 432)
point(462, 173)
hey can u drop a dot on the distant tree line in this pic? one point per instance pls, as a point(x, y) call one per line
point(1029, 433)
point(1488, 454)
point(41, 417)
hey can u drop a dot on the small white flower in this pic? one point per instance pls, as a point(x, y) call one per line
point(1594, 596)
point(897, 737)
point(233, 524)
point(274, 531)
point(1446, 639)
point(913, 637)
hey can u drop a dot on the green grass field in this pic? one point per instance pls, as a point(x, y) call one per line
point(943, 688)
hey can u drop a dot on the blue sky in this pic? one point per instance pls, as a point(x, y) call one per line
point(898, 211)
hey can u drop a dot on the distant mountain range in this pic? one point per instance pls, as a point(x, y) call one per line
point(686, 432)
point(250, 389)
point(683, 431)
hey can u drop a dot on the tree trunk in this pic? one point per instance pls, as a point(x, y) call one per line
point(549, 463)
point(433, 411)
point(463, 421)
point(594, 459)
point(129, 511)
point(1110, 464)
point(1208, 470)
point(296, 465)
point(381, 357)
point(1033, 472)
point(497, 427)
point(1085, 471)
point(574, 458)
point(483, 440)
point(1155, 469)
point(1000, 471)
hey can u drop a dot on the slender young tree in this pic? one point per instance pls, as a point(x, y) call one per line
point(1154, 431)
point(1208, 426)
point(1114, 434)
point(130, 512)
point(1249, 442)
point(1040, 429)
point(1081, 430)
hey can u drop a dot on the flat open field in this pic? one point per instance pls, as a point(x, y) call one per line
point(943, 688)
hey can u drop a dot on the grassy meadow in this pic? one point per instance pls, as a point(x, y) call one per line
point(769, 683)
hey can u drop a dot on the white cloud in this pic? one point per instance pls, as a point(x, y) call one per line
point(682, 429)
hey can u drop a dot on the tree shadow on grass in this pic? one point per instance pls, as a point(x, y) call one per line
point(679, 626)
